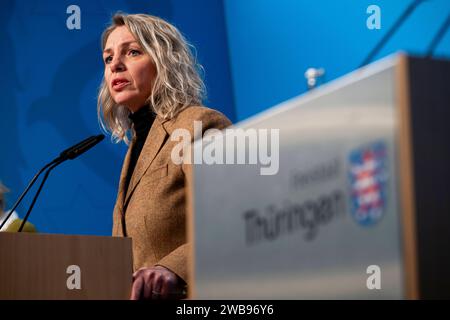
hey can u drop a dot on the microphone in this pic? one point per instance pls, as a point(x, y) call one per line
point(68, 154)
point(391, 31)
point(80, 148)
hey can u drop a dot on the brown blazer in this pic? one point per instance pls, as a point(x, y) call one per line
point(153, 209)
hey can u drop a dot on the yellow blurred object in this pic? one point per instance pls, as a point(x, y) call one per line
point(15, 225)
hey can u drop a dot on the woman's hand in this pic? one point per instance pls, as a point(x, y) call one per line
point(157, 283)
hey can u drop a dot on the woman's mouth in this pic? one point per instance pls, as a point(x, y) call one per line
point(118, 84)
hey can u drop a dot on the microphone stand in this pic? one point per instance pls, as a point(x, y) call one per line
point(26, 190)
point(437, 39)
point(58, 161)
point(70, 153)
point(391, 31)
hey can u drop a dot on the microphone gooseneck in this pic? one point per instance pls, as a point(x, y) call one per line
point(391, 31)
point(438, 37)
point(30, 184)
point(68, 154)
point(37, 194)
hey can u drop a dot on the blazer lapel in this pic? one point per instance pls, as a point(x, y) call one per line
point(153, 143)
point(123, 175)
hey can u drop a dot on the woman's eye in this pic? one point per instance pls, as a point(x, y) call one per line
point(134, 52)
point(108, 59)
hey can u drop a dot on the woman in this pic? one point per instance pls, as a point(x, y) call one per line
point(150, 88)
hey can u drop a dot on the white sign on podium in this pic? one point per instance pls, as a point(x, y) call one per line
point(327, 224)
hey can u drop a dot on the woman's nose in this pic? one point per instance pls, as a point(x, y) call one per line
point(117, 65)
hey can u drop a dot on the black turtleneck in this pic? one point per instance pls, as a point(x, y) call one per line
point(142, 122)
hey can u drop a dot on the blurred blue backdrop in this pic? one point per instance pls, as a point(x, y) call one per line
point(254, 52)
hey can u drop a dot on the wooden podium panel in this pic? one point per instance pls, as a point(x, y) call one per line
point(48, 266)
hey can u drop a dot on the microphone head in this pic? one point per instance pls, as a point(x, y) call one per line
point(81, 147)
point(15, 225)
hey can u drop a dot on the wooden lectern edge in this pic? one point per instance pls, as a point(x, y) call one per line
point(190, 204)
point(406, 165)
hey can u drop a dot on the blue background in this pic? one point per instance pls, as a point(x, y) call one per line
point(254, 52)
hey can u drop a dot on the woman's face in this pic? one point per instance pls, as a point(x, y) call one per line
point(129, 70)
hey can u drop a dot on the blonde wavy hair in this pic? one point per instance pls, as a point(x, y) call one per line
point(178, 83)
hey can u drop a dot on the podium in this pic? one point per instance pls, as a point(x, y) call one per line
point(52, 266)
point(358, 205)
